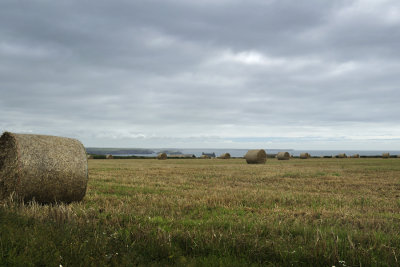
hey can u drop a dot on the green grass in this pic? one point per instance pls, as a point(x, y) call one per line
point(322, 212)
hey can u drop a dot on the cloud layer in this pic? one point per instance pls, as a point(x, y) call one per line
point(229, 73)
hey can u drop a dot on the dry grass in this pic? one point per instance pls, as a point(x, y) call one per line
point(315, 212)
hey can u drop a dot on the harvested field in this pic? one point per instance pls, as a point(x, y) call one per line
point(320, 212)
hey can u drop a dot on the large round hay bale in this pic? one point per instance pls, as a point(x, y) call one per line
point(109, 156)
point(225, 156)
point(204, 157)
point(385, 155)
point(283, 155)
point(356, 156)
point(342, 156)
point(162, 156)
point(305, 155)
point(256, 156)
point(44, 168)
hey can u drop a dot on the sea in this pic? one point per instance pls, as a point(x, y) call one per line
point(241, 152)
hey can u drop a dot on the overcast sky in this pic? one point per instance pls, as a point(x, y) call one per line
point(203, 74)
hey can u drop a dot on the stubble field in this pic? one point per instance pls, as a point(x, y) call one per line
point(202, 212)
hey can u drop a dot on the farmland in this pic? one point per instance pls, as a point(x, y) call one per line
point(201, 212)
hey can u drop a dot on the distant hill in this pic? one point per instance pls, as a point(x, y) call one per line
point(118, 151)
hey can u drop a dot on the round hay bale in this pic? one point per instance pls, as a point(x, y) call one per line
point(204, 157)
point(283, 156)
point(42, 168)
point(162, 156)
point(398, 156)
point(89, 156)
point(256, 156)
point(342, 156)
point(385, 155)
point(356, 156)
point(109, 156)
point(225, 156)
point(305, 155)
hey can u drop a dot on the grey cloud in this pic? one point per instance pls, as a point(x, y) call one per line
point(177, 68)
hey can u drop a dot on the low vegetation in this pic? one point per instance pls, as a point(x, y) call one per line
point(322, 212)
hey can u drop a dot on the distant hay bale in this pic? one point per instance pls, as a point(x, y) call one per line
point(398, 156)
point(283, 155)
point(204, 157)
point(257, 156)
point(385, 155)
point(89, 156)
point(225, 156)
point(305, 155)
point(210, 155)
point(162, 156)
point(42, 168)
point(109, 156)
point(342, 156)
point(356, 156)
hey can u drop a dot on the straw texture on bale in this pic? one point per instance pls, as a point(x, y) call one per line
point(109, 157)
point(385, 155)
point(283, 155)
point(162, 156)
point(342, 156)
point(304, 155)
point(257, 156)
point(225, 156)
point(44, 168)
